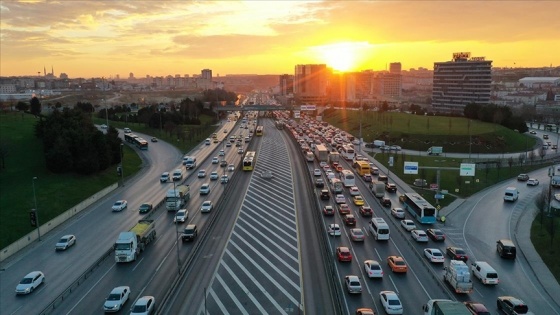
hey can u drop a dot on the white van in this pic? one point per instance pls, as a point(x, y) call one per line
point(208, 141)
point(511, 194)
point(379, 228)
point(484, 272)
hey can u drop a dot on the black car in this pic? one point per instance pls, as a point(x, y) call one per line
point(319, 183)
point(436, 235)
point(223, 163)
point(457, 253)
point(325, 195)
point(145, 207)
point(386, 202)
point(189, 233)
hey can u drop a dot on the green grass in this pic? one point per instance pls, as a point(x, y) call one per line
point(547, 246)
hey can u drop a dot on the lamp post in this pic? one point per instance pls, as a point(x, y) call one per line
point(36, 209)
point(177, 229)
point(122, 166)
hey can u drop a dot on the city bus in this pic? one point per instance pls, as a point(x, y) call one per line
point(130, 137)
point(141, 143)
point(259, 131)
point(419, 208)
point(363, 168)
point(348, 152)
point(347, 177)
point(249, 161)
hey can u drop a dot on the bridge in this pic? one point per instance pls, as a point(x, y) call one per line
point(259, 107)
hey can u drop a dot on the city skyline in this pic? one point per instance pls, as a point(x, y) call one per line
point(159, 38)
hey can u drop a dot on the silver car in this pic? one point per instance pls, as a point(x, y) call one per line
point(65, 242)
point(116, 299)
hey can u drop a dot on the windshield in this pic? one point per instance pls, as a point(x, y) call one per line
point(122, 246)
point(26, 280)
point(114, 297)
point(139, 308)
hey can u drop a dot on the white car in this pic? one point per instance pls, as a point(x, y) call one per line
point(340, 199)
point(419, 235)
point(30, 282)
point(231, 168)
point(398, 213)
point(391, 302)
point(373, 269)
point(103, 126)
point(222, 153)
point(116, 299)
point(120, 205)
point(224, 179)
point(354, 191)
point(333, 229)
point(214, 175)
point(65, 242)
point(353, 284)
point(206, 206)
point(408, 225)
point(228, 144)
point(143, 306)
point(181, 216)
point(532, 182)
point(215, 160)
point(201, 173)
point(164, 177)
point(322, 164)
point(434, 255)
point(205, 189)
point(330, 174)
point(317, 172)
point(240, 150)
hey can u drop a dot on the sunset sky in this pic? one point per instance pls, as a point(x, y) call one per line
point(93, 38)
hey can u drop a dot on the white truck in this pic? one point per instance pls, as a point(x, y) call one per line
point(176, 198)
point(309, 156)
point(378, 143)
point(321, 153)
point(378, 189)
point(445, 307)
point(435, 150)
point(130, 244)
point(189, 162)
point(334, 157)
point(457, 274)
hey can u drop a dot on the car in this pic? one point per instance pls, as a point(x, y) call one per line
point(201, 174)
point(326, 168)
point(511, 305)
point(30, 282)
point(340, 199)
point(143, 306)
point(238, 144)
point(225, 130)
point(322, 164)
point(532, 182)
point(189, 233)
point(224, 179)
point(436, 235)
point(231, 167)
point(383, 178)
point(391, 302)
point(357, 235)
point(333, 229)
point(349, 219)
point(476, 308)
point(374, 170)
point(366, 211)
point(164, 178)
point(533, 132)
point(522, 177)
point(65, 242)
point(330, 174)
point(316, 172)
point(358, 200)
point(397, 264)
point(267, 174)
point(396, 148)
point(214, 175)
point(240, 150)
point(328, 210)
point(390, 187)
point(545, 136)
point(145, 207)
point(456, 253)
point(319, 183)
point(120, 205)
point(228, 144)
point(386, 202)
point(154, 139)
point(216, 140)
point(354, 191)
point(181, 216)
point(206, 206)
point(325, 195)
point(223, 163)
point(434, 255)
point(116, 299)
point(419, 236)
point(103, 126)
point(204, 189)
point(177, 175)
point(364, 311)
point(343, 208)
point(554, 147)
point(373, 269)
point(353, 284)
point(398, 213)
point(222, 153)
point(215, 160)
point(408, 225)
point(343, 254)
point(367, 178)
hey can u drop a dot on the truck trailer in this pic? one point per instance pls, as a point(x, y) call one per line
point(457, 274)
point(445, 307)
point(435, 150)
point(130, 244)
point(321, 153)
point(176, 198)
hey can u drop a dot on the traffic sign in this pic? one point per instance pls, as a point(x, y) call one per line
point(467, 169)
point(433, 186)
point(411, 167)
point(439, 196)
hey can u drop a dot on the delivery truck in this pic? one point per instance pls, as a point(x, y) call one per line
point(457, 274)
point(321, 153)
point(334, 157)
point(445, 307)
point(378, 189)
point(435, 150)
point(177, 197)
point(130, 244)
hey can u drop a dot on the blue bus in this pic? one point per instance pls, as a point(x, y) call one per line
point(419, 208)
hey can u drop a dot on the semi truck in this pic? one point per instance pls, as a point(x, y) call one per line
point(435, 150)
point(445, 307)
point(177, 197)
point(378, 189)
point(130, 244)
point(458, 276)
point(321, 153)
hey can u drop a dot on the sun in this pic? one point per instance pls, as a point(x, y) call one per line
point(342, 56)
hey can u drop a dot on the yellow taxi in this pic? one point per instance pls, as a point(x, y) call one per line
point(358, 200)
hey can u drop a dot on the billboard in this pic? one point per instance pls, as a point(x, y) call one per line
point(410, 167)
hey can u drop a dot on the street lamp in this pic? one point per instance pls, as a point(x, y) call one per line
point(122, 166)
point(176, 228)
point(36, 209)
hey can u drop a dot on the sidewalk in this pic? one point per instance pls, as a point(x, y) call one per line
point(522, 237)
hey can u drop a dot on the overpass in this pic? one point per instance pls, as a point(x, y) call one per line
point(259, 107)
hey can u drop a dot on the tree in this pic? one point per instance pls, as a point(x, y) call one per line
point(35, 106)
point(22, 106)
point(4, 152)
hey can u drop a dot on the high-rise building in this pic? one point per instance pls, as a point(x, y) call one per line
point(286, 84)
point(206, 74)
point(310, 84)
point(461, 81)
point(395, 67)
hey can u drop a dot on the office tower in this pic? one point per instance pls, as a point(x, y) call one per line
point(310, 84)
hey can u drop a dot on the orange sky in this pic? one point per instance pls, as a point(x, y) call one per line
point(158, 38)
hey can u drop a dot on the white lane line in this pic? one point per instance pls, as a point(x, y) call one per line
point(218, 301)
point(138, 264)
point(279, 219)
point(257, 226)
point(413, 273)
point(232, 295)
point(272, 206)
point(93, 286)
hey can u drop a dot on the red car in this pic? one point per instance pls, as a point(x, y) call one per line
point(457, 253)
point(343, 208)
point(343, 254)
point(366, 211)
point(349, 219)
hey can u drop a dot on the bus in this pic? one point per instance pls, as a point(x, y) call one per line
point(348, 152)
point(420, 209)
point(363, 168)
point(141, 143)
point(249, 161)
point(259, 131)
point(347, 177)
point(336, 185)
point(550, 127)
point(130, 137)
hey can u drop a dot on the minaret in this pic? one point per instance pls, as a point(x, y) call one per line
point(52, 71)
point(44, 71)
